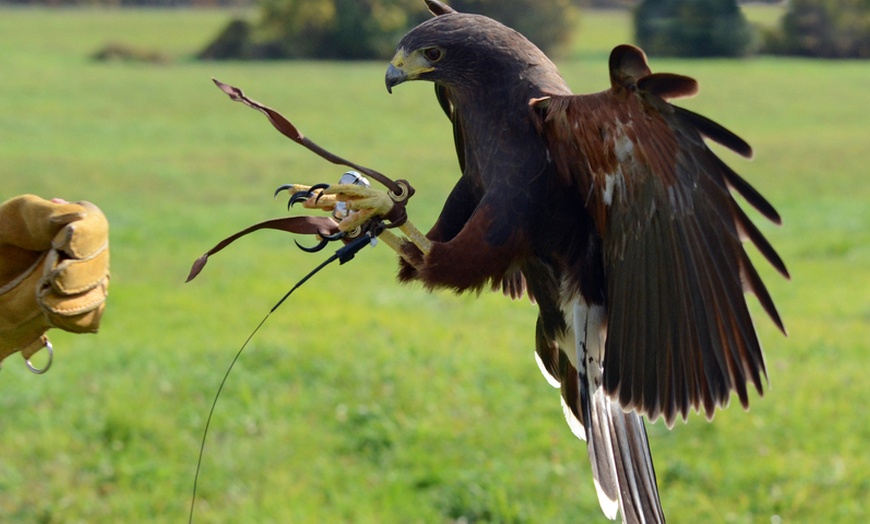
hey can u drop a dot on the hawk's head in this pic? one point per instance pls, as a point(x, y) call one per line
point(460, 50)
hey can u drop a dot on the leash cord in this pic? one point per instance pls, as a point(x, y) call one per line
point(343, 254)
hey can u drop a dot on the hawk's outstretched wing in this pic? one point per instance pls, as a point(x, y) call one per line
point(679, 333)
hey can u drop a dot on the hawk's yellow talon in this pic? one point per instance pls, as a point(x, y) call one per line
point(361, 203)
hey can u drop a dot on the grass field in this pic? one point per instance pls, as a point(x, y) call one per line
point(361, 400)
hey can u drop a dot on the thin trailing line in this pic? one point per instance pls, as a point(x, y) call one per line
point(344, 254)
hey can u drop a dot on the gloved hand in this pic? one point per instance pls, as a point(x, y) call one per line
point(54, 270)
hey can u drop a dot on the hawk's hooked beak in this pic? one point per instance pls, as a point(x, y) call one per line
point(395, 76)
point(404, 67)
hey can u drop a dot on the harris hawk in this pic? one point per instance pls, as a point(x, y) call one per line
point(611, 213)
point(608, 210)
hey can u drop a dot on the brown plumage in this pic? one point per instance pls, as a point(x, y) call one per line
point(610, 211)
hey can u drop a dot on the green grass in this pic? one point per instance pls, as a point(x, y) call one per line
point(361, 400)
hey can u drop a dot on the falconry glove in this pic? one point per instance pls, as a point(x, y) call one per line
point(54, 270)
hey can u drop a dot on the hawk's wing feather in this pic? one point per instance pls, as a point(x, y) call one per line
point(715, 132)
point(442, 93)
point(679, 331)
point(513, 284)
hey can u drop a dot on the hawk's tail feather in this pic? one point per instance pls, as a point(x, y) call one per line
point(622, 465)
point(621, 461)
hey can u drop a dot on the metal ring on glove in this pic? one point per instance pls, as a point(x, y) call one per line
point(39, 371)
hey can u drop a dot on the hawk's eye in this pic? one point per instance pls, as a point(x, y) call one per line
point(433, 54)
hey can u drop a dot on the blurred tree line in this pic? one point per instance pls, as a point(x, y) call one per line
point(365, 29)
point(369, 29)
point(818, 28)
point(132, 3)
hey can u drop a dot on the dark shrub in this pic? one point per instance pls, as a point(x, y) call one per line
point(693, 28)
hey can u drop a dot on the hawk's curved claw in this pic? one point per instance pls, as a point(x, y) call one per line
point(315, 249)
point(335, 236)
point(283, 187)
point(315, 187)
point(324, 239)
point(295, 198)
point(303, 194)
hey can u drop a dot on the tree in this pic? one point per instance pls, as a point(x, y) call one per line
point(350, 29)
point(693, 28)
point(547, 23)
point(824, 28)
